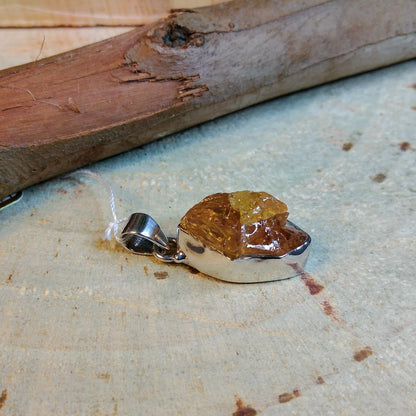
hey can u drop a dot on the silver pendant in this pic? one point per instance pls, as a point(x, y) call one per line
point(142, 235)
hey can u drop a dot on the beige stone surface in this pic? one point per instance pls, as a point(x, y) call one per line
point(87, 328)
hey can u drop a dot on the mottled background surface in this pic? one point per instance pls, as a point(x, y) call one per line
point(87, 328)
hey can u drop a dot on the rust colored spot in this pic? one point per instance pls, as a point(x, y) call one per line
point(231, 25)
point(61, 191)
point(287, 397)
point(363, 354)
point(380, 177)
point(3, 398)
point(413, 86)
point(320, 380)
point(347, 146)
point(56, 254)
point(413, 107)
point(329, 310)
point(121, 268)
point(405, 146)
point(313, 286)
point(10, 277)
point(103, 376)
point(242, 409)
point(110, 246)
point(193, 270)
point(161, 275)
point(146, 270)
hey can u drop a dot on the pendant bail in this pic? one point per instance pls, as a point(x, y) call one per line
point(142, 233)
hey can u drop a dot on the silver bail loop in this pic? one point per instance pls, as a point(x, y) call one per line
point(142, 235)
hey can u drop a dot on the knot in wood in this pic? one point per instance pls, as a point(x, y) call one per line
point(179, 36)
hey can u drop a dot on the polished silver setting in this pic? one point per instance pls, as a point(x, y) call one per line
point(245, 269)
point(142, 235)
point(11, 199)
point(172, 254)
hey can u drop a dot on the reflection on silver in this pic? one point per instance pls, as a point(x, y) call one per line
point(9, 200)
point(245, 269)
point(142, 235)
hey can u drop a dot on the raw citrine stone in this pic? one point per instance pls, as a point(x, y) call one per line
point(243, 224)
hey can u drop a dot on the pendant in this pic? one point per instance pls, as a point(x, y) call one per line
point(241, 237)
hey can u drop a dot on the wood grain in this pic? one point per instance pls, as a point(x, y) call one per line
point(20, 46)
point(26, 13)
point(64, 112)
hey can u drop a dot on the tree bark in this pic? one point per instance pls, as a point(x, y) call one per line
point(79, 107)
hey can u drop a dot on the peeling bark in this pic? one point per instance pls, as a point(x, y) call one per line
point(66, 111)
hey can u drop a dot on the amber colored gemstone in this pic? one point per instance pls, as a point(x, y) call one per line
point(243, 224)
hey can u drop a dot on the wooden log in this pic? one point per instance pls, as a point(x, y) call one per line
point(76, 108)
